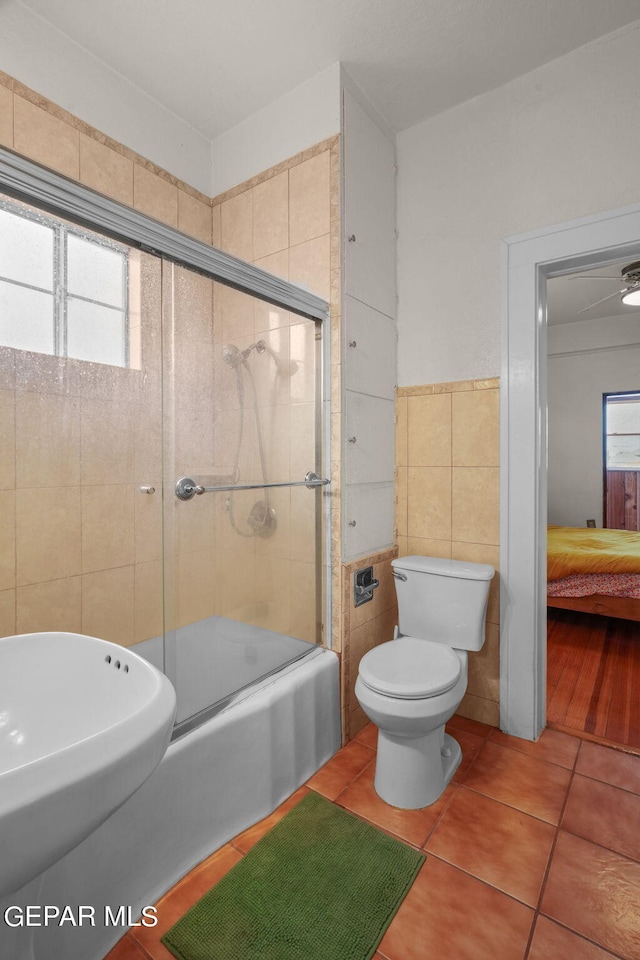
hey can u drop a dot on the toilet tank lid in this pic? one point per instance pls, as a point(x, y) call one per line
point(462, 569)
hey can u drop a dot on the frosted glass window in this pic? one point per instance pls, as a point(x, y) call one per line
point(95, 272)
point(26, 318)
point(26, 250)
point(64, 290)
point(95, 333)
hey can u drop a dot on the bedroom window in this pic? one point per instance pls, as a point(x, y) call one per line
point(63, 290)
point(622, 460)
point(622, 431)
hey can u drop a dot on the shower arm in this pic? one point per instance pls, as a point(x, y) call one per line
point(186, 488)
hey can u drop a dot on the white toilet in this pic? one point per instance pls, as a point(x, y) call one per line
point(411, 685)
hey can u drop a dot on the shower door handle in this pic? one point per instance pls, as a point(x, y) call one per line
point(186, 488)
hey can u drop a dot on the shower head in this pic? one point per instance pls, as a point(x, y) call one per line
point(234, 357)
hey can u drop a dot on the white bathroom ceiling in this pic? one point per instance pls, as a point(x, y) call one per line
point(216, 62)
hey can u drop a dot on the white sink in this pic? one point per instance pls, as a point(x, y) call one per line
point(83, 723)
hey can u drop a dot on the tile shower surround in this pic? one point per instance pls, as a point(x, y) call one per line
point(283, 221)
point(532, 852)
point(287, 221)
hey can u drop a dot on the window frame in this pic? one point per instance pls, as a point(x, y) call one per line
point(60, 292)
point(608, 398)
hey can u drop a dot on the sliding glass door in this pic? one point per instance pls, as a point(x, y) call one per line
point(243, 529)
point(163, 479)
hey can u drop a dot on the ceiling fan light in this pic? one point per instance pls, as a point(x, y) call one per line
point(631, 298)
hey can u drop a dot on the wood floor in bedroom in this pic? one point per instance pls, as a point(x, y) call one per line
point(593, 677)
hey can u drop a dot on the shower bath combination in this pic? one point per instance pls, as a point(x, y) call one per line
point(239, 628)
point(261, 519)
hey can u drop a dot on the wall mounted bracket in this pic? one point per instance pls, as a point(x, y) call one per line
point(363, 586)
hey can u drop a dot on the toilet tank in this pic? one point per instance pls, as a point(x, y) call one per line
point(442, 600)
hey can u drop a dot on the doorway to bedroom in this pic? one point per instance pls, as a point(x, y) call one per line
point(530, 260)
point(593, 601)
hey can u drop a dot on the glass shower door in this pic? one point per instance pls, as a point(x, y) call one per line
point(80, 432)
point(243, 530)
point(121, 374)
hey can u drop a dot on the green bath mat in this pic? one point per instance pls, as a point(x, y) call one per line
point(321, 885)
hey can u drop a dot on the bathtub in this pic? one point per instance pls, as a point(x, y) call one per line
point(212, 659)
point(212, 783)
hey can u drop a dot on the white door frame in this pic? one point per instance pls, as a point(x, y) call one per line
point(528, 260)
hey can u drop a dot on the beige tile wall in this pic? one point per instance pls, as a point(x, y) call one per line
point(447, 490)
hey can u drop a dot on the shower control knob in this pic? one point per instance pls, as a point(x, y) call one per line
point(186, 488)
point(149, 490)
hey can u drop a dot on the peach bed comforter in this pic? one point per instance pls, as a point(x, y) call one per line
point(580, 550)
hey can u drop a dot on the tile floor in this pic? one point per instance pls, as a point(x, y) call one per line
point(533, 852)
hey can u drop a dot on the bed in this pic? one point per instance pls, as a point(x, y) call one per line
point(594, 571)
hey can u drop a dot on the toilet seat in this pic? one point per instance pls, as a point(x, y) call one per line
point(410, 668)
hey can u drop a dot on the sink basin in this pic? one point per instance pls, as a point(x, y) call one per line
point(83, 723)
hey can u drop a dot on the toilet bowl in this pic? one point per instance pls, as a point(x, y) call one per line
point(410, 686)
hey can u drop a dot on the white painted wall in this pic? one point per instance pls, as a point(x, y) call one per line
point(43, 58)
point(585, 360)
point(303, 117)
point(551, 146)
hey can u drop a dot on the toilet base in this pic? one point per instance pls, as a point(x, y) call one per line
point(413, 772)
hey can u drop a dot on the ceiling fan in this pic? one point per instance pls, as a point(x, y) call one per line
point(630, 292)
